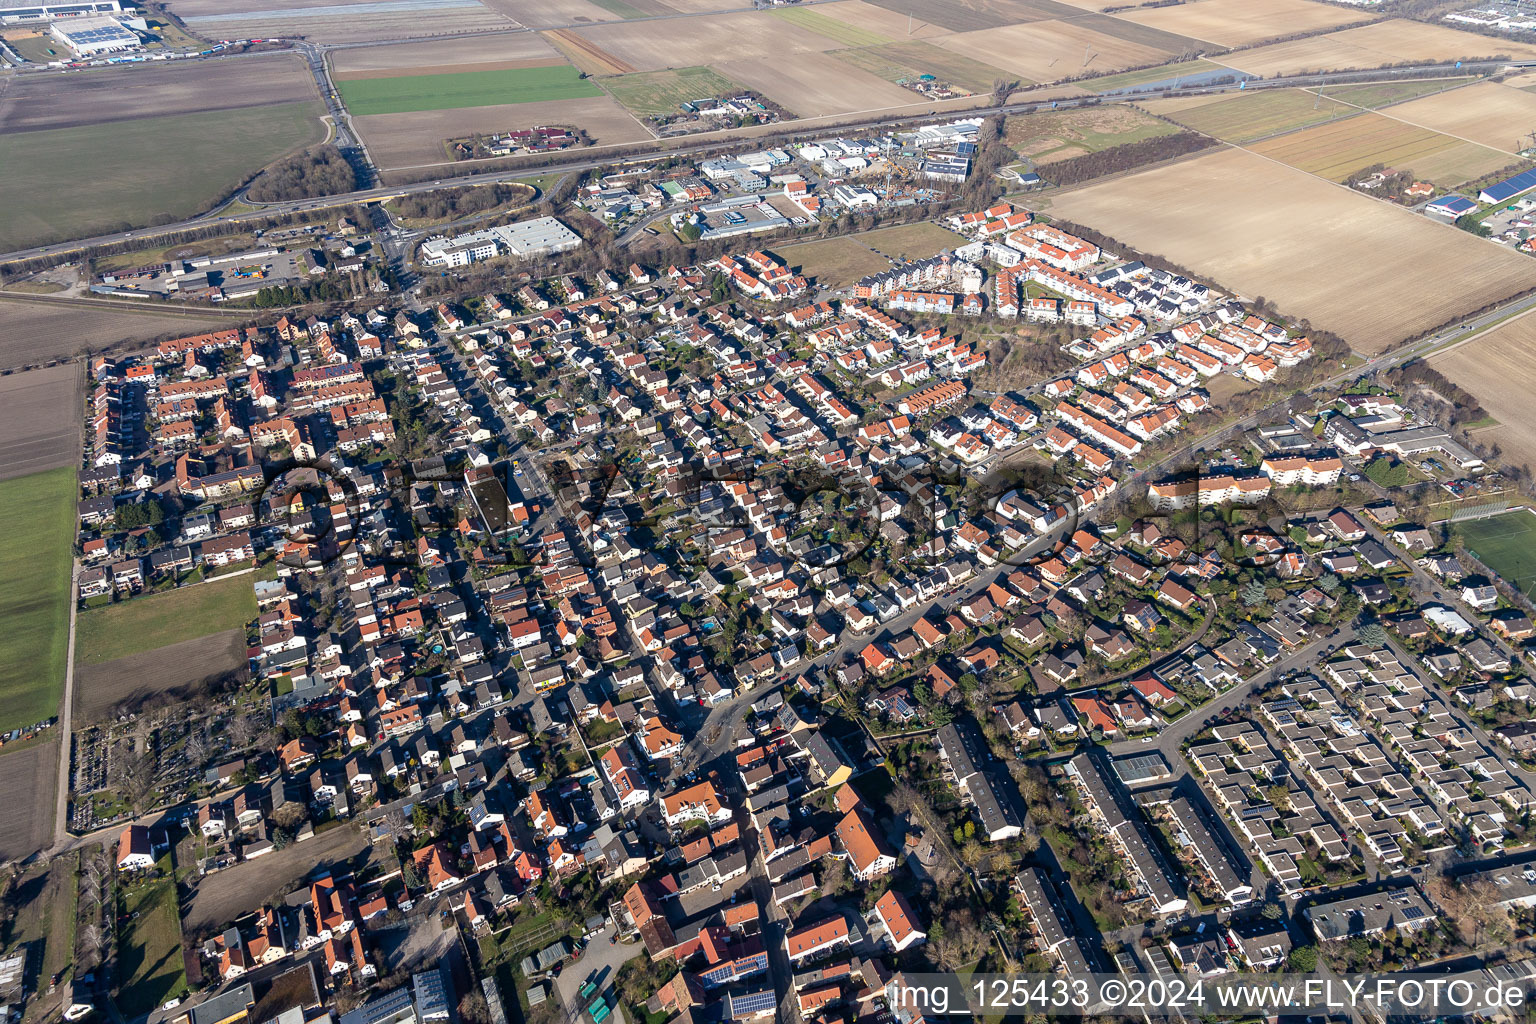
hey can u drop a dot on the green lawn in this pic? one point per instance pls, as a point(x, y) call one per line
point(621, 8)
point(1506, 544)
point(1129, 79)
point(464, 89)
point(144, 623)
point(663, 92)
point(1255, 115)
point(1386, 471)
point(72, 182)
point(39, 516)
point(149, 964)
point(815, 21)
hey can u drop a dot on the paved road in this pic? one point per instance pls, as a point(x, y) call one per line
point(793, 130)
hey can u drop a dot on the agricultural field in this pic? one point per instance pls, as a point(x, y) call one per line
point(410, 93)
point(155, 620)
point(891, 24)
point(149, 968)
point(1499, 369)
point(26, 824)
point(1488, 113)
point(1256, 227)
point(515, 49)
point(811, 85)
point(1375, 95)
point(539, 14)
point(1057, 135)
point(708, 39)
point(911, 241)
point(1384, 43)
point(40, 420)
point(834, 29)
point(175, 672)
point(1243, 22)
point(1148, 76)
point(1340, 150)
point(833, 262)
point(337, 22)
point(1248, 116)
point(34, 332)
point(82, 158)
point(1504, 543)
point(35, 565)
point(1050, 51)
point(416, 139)
point(655, 93)
point(77, 182)
point(962, 15)
point(895, 62)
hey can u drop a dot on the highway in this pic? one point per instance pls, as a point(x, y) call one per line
point(793, 131)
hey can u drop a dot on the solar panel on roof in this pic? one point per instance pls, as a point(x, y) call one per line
point(753, 1002)
point(1510, 187)
point(1413, 913)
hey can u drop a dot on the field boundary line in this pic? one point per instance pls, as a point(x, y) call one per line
point(1424, 127)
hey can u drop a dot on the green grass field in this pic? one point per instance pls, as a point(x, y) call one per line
point(662, 92)
point(895, 62)
point(72, 182)
point(149, 963)
point(1506, 544)
point(464, 89)
point(1383, 93)
point(621, 8)
point(815, 21)
point(1130, 79)
point(39, 516)
point(1255, 115)
point(144, 623)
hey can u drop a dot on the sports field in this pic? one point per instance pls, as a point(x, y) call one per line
point(90, 179)
point(409, 93)
point(663, 92)
point(1506, 544)
point(39, 516)
point(144, 623)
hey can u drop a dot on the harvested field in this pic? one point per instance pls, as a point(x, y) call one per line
point(225, 895)
point(833, 262)
point(75, 182)
point(1373, 46)
point(539, 14)
point(416, 138)
point(1242, 22)
point(1049, 51)
point(1252, 115)
point(709, 39)
point(662, 92)
point(1256, 226)
point(154, 621)
point(173, 673)
point(34, 332)
point(890, 24)
point(1499, 369)
point(35, 567)
point(897, 61)
point(1340, 150)
point(811, 85)
point(1149, 76)
point(403, 94)
point(437, 70)
point(31, 776)
point(1057, 135)
point(1488, 113)
point(94, 97)
point(498, 46)
point(834, 29)
point(40, 413)
point(587, 55)
point(364, 21)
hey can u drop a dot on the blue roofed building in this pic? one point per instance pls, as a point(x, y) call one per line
point(1451, 206)
point(1509, 187)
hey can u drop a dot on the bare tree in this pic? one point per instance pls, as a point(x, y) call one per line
point(197, 748)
